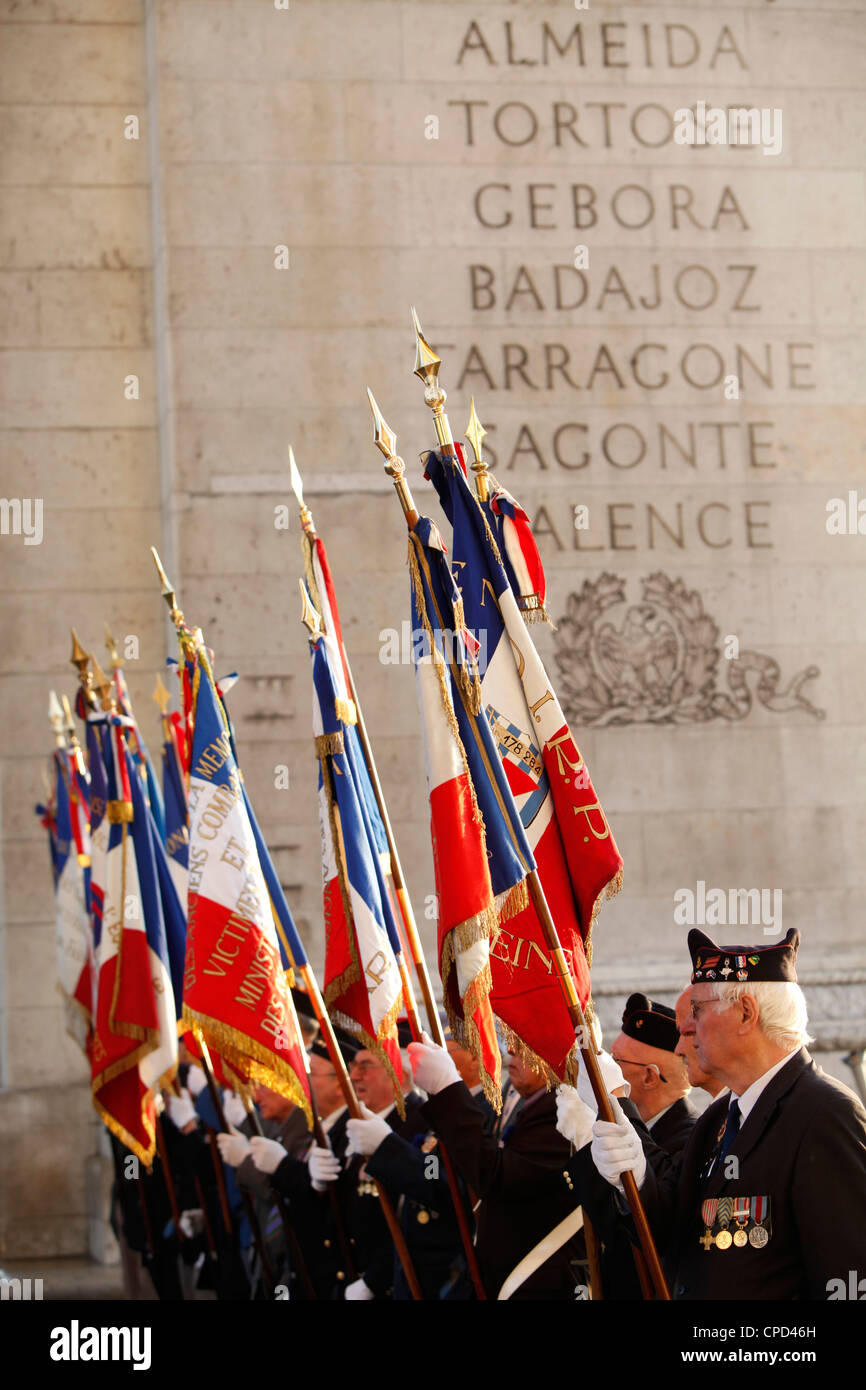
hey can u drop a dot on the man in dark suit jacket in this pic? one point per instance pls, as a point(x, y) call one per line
point(768, 1199)
point(512, 1217)
point(659, 1084)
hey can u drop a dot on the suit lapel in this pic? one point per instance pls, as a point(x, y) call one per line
point(760, 1116)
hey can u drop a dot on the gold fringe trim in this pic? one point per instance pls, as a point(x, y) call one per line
point(516, 900)
point(262, 1063)
point(346, 711)
point(144, 1156)
point(466, 1032)
point(609, 891)
point(329, 743)
point(533, 610)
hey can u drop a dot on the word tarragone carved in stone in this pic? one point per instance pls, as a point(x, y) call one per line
point(661, 665)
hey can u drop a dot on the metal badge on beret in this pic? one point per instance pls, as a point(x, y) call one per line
point(749, 963)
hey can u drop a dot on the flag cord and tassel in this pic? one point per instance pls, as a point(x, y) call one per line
point(427, 369)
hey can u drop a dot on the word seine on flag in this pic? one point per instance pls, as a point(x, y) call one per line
point(235, 989)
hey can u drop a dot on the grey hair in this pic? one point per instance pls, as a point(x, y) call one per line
point(782, 1011)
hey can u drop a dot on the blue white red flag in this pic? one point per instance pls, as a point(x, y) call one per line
point(235, 989)
point(134, 1047)
point(67, 823)
point(578, 861)
point(481, 855)
point(362, 983)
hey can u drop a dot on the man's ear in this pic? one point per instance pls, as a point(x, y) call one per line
point(749, 1012)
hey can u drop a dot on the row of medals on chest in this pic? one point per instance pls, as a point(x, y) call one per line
point(740, 1210)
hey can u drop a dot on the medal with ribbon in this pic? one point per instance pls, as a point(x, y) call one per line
point(708, 1212)
point(741, 1219)
point(759, 1235)
point(724, 1239)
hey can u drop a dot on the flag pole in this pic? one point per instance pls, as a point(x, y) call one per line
point(213, 1088)
point(427, 367)
point(404, 903)
point(312, 621)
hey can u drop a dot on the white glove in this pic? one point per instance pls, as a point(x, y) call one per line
point(233, 1147)
point(366, 1135)
point(196, 1080)
point(432, 1066)
point(234, 1109)
point(358, 1292)
point(611, 1075)
point(267, 1154)
point(616, 1149)
point(324, 1167)
point(181, 1111)
point(573, 1117)
point(191, 1222)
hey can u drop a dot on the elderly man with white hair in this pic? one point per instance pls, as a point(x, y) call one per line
point(768, 1199)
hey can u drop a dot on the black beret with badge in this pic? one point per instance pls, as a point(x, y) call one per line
point(740, 964)
point(650, 1023)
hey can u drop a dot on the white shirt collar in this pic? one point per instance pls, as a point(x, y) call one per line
point(750, 1096)
point(331, 1120)
point(649, 1123)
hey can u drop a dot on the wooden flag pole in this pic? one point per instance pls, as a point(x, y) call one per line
point(385, 440)
point(215, 1096)
point(413, 938)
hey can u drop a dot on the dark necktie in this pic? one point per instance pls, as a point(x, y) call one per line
point(732, 1128)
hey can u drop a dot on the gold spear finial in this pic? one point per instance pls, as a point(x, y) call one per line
point(298, 489)
point(168, 592)
point(79, 656)
point(102, 684)
point(386, 441)
point(80, 659)
point(71, 735)
point(161, 695)
point(55, 719)
point(427, 366)
point(475, 433)
point(112, 649)
point(310, 616)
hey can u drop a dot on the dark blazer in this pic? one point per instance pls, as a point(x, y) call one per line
point(673, 1130)
point(513, 1215)
point(619, 1276)
point(803, 1145)
point(364, 1225)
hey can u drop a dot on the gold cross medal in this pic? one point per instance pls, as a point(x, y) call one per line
point(724, 1240)
point(741, 1217)
point(708, 1212)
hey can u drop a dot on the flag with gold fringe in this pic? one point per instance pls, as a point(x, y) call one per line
point(235, 989)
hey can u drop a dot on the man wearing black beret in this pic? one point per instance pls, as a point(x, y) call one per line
point(645, 1050)
point(768, 1199)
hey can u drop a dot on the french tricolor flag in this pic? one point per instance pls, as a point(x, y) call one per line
point(578, 861)
point(70, 844)
point(362, 984)
point(235, 989)
point(480, 854)
point(134, 1047)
